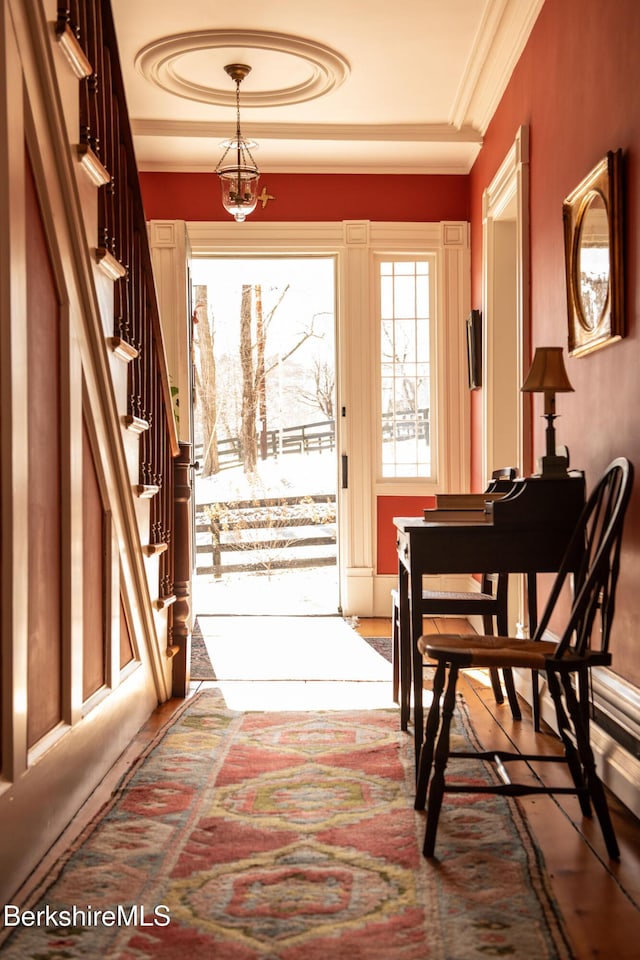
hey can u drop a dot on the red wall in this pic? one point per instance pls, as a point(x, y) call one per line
point(312, 197)
point(577, 86)
point(388, 508)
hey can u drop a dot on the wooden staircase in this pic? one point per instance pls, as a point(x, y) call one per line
point(94, 485)
point(85, 32)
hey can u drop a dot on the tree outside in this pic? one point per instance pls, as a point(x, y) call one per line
point(263, 355)
point(264, 359)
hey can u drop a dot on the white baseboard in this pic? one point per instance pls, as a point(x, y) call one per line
point(615, 738)
point(357, 592)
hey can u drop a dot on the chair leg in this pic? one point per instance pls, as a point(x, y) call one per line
point(430, 733)
point(601, 807)
point(441, 757)
point(405, 691)
point(594, 784)
point(502, 627)
point(496, 685)
point(401, 663)
point(532, 604)
point(512, 696)
point(535, 699)
point(395, 649)
point(565, 731)
point(404, 658)
point(487, 626)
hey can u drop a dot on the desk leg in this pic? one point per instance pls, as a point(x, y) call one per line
point(532, 603)
point(415, 605)
point(404, 646)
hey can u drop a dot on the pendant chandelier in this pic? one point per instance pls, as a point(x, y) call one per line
point(237, 169)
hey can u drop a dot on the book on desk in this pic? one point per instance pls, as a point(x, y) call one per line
point(554, 502)
point(462, 507)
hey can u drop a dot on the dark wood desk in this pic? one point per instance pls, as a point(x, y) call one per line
point(527, 531)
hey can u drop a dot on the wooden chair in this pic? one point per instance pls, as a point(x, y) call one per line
point(594, 551)
point(490, 602)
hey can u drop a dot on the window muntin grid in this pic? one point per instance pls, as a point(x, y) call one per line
point(405, 368)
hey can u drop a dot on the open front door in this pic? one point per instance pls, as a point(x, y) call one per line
point(265, 435)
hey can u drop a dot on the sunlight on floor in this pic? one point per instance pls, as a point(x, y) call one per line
point(290, 648)
point(295, 663)
point(300, 695)
point(480, 676)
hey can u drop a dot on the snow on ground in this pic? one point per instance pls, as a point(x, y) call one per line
point(307, 592)
point(294, 474)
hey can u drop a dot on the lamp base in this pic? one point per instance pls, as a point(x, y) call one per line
point(553, 466)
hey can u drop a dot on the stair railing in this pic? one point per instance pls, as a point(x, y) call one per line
point(123, 252)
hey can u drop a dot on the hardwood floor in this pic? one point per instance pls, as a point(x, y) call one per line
point(599, 899)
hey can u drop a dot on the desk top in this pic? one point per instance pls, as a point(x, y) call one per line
point(471, 518)
point(531, 502)
point(528, 530)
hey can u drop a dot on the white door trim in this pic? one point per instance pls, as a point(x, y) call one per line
point(506, 200)
point(505, 335)
point(355, 243)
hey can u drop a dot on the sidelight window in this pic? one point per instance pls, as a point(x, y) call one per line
point(406, 362)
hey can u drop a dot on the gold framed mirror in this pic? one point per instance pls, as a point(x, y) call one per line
point(592, 216)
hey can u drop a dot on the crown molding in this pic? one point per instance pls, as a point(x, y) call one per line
point(427, 168)
point(400, 132)
point(501, 37)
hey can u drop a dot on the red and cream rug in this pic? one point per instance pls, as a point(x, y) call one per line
point(290, 836)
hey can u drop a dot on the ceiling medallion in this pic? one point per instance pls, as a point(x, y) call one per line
point(160, 63)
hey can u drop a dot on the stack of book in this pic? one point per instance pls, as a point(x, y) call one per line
point(462, 507)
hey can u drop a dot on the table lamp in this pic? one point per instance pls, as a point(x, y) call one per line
point(548, 375)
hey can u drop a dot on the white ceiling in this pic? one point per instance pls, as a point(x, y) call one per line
point(336, 86)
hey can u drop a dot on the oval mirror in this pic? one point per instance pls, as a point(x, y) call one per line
point(593, 261)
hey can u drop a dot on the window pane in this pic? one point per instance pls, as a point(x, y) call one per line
point(405, 340)
point(422, 339)
point(404, 297)
point(422, 297)
point(386, 297)
point(405, 368)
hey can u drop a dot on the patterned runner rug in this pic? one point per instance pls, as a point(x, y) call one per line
point(291, 836)
point(201, 666)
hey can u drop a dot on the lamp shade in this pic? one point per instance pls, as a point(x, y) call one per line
point(547, 373)
point(239, 190)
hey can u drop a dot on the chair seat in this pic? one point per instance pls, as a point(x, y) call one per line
point(444, 596)
point(490, 651)
point(457, 603)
